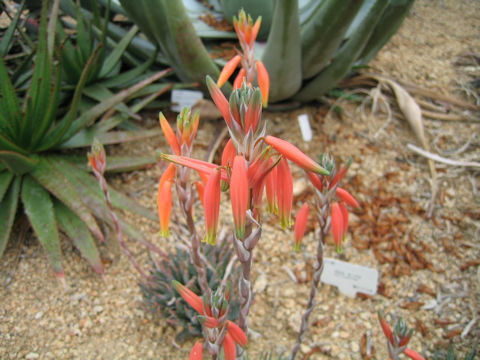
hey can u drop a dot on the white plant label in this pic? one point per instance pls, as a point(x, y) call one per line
point(305, 129)
point(349, 278)
point(182, 98)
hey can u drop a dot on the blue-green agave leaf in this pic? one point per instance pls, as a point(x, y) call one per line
point(282, 55)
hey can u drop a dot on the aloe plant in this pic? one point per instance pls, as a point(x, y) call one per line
point(55, 190)
point(311, 45)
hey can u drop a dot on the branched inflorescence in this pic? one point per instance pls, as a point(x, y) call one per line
point(331, 214)
point(252, 163)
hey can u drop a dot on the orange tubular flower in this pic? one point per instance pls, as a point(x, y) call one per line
point(189, 296)
point(197, 351)
point(228, 154)
point(284, 192)
point(413, 354)
point(164, 204)
point(239, 79)
point(315, 180)
point(229, 349)
point(263, 81)
point(300, 225)
point(237, 333)
point(228, 70)
point(344, 211)
point(239, 194)
point(208, 321)
point(345, 196)
point(258, 169)
point(195, 164)
point(167, 175)
point(169, 135)
point(270, 189)
point(200, 190)
point(219, 99)
point(339, 175)
point(385, 327)
point(337, 226)
point(294, 154)
point(212, 207)
point(164, 199)
point(254, 109)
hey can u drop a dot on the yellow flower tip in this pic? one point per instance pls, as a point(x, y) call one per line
point(285, 223)
point(339, 249)
point(297, 247)
point(164, 233)
point(240, 232)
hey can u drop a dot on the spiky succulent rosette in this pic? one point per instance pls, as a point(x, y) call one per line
point(162, 299)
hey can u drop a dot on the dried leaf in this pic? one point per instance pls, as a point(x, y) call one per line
point(421, 328)
point(452, 334)
point(426, 290)
point(413, 305)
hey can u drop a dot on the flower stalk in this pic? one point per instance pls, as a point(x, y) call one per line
point(98, 162)
point(331, 215)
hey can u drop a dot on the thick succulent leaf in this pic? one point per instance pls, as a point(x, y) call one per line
point(85, 137)
point(17, 163)
point(117, 163)
point(328, 78)
point(388, 24)
point(127, 77)
point(95, 200)
point(46, 121)
point(9, 105)
point(75, 228)
point(129, 163)
point(195, 9)
point(141, 47)
point(8, 36)
point(39, 209)
point(57, 183)
point(38, 94)
point(306, 9)
point(55, 135)
point(282, 56)
point(168, 23)
point(87, 185)
point(324, 32)
point(115, 56)
point(100, 93)
point(5, 179)
point(88, 117)
point(8, 209)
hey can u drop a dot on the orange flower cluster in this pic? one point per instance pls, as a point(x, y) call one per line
point(233, 334)
point(398, 339)
point(247, 32)
point(338, 209)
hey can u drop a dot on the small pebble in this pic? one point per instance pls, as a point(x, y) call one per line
point(32, 355)
point(38, 315)
point(354, 346)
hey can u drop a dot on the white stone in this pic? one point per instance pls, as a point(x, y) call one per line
point(38, 315)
